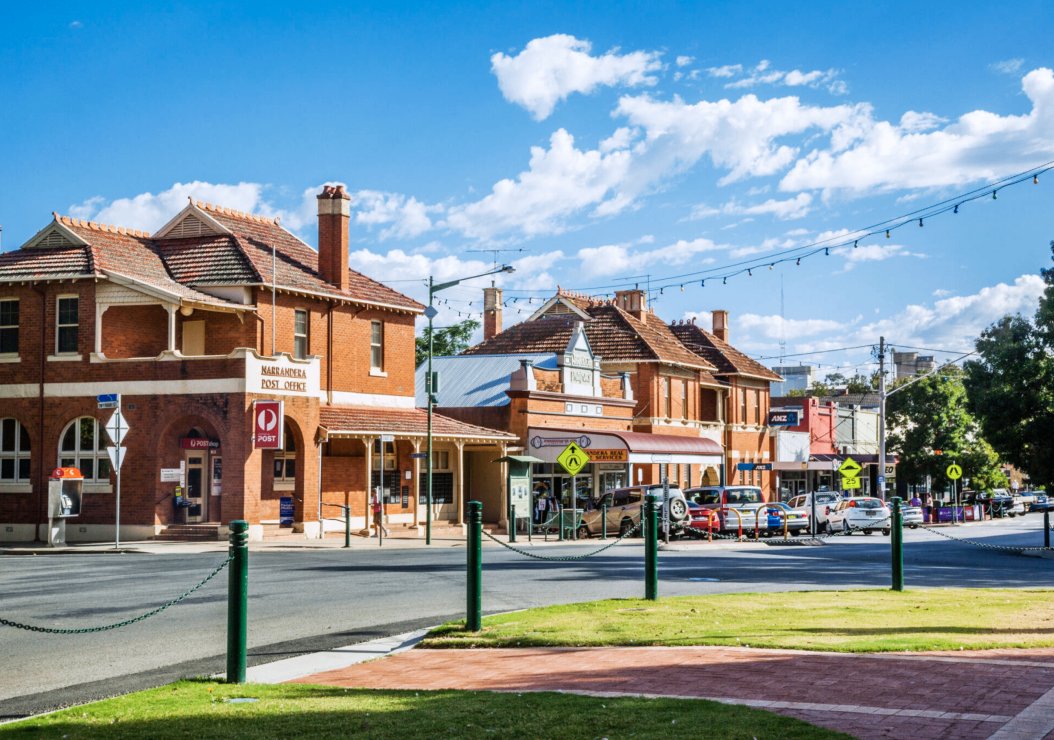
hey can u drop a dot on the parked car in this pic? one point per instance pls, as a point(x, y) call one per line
point(862, 513)
point(734, 504)
point(624, 508)
point(776, 513)
point(702, 519)
point(911, 516)
point(1042, 502)
point(1027, 498)
point(825, 500)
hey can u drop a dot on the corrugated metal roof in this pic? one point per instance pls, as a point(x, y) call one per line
point(475, 380)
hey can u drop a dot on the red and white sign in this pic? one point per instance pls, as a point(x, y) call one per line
point(199, 443)
point(267, 425)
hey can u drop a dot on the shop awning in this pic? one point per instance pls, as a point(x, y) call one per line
point(608, 446)
point(519, 459)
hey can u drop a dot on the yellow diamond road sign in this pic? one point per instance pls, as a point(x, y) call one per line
point(954, 472)
point(850, 468)
point(573, 458)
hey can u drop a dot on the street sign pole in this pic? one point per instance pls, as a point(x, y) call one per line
point(117, 517)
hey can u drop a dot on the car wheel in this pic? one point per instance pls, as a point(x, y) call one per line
point(868, 531)
point(885, 532)
point(624, 527)
point(828, 528)
point(678, 509)
point(583, 532)
point(914, 526)
point(845, 526)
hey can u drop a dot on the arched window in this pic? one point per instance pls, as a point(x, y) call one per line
point(14, 452)
point(285, 462)
point(82, 446)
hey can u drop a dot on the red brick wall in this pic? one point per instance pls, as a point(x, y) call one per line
point(134, 331)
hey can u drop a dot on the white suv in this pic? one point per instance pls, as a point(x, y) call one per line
point(825, 503)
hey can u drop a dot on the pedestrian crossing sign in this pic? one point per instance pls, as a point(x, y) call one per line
point(573, 459)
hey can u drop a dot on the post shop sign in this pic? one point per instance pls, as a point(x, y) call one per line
point(267, 425)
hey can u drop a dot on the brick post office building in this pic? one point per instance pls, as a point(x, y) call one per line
point(192, 325)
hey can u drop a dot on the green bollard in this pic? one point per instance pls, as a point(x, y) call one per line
point(474, 581)
point(603, 521)
point(897, 543)
point(237, 600)
point(651, 547)
point(347, 526)
point(1046, 529)
point(512, 524)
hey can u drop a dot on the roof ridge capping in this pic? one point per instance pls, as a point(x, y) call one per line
point(94, 226)
point(224, 211)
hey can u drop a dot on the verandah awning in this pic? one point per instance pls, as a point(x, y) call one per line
point(619, 446)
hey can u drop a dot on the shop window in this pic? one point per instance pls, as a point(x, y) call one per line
point(442, 488)
point(9, 327)
point(389, 456)
point(440, 460)
point(300, 334)
point(377, 346)
point(82, 445)
point(285, 463)
point(14, 452)
point(67, 325)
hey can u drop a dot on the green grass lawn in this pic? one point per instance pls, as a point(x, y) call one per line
point(200, 709)
point(842, 621)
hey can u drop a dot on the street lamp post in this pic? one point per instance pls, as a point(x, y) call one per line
point(431, 313)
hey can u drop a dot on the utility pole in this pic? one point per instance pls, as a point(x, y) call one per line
point(882, 418)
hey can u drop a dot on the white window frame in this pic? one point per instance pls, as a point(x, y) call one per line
point(8, 327)
point(376, 346)
point(74, 458)
point(15, 454)
point(390, 456)
point(441, 461)
point(300, 338)
point(282, 458)
point(59, 326)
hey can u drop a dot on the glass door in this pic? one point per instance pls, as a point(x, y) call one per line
point(196, 486)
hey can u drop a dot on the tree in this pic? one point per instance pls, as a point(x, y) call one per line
point(930, 415)
point(449, 340)
point(1011, 387)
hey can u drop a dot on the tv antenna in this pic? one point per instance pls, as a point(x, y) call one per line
point(494, 252)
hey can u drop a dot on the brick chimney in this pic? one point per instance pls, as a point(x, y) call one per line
point(334, 214)
point(633, 302)
point(721, 325)
point(491, 312)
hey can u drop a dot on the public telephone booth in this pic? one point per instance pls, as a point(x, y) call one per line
point(65, 490)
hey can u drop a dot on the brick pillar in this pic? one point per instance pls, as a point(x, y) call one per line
point(491, 312)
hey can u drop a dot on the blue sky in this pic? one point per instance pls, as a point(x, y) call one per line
point(607, 142)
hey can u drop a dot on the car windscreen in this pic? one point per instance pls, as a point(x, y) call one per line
point(869, 503)
point(826, 498)
point(744, 495)
point(708, 497)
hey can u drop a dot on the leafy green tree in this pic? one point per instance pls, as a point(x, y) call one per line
point(449, 340)
point(1011, 387)
point(930, 415)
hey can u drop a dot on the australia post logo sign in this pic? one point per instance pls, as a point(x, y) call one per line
point(267, 425)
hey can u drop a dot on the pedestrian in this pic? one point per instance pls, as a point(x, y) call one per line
point(915, 500)
point(541, 502)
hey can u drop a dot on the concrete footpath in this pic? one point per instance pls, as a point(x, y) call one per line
point(977, 694)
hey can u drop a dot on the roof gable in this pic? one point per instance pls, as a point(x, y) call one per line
point(190, 222)
point(727, 359)
point(54, 236)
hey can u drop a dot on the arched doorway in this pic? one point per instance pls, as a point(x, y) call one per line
point(190, 458)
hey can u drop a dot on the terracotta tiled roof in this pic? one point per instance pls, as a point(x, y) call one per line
point(614, 335)
point(296, 263)
point(404, 422)
point(44, 264)
point(727, 359)
point(207, 261)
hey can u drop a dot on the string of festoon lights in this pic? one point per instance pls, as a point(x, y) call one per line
point(721, 274)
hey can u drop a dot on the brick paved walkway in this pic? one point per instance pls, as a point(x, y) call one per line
point(923, 695)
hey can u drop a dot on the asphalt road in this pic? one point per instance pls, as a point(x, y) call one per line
point(303, 601)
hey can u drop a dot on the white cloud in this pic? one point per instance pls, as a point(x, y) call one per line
point(956, 322)
point(764, 74)
point(778, 327)
point(941, 293)
point(854, 256)
point(550, 69)
point(403, 216)
point(560, 181)
point(684, 61)
point(978, 146)
point(76, 24)
point(149, 211)
point(616, 259)
point(791, 208)
point(1007, 66)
